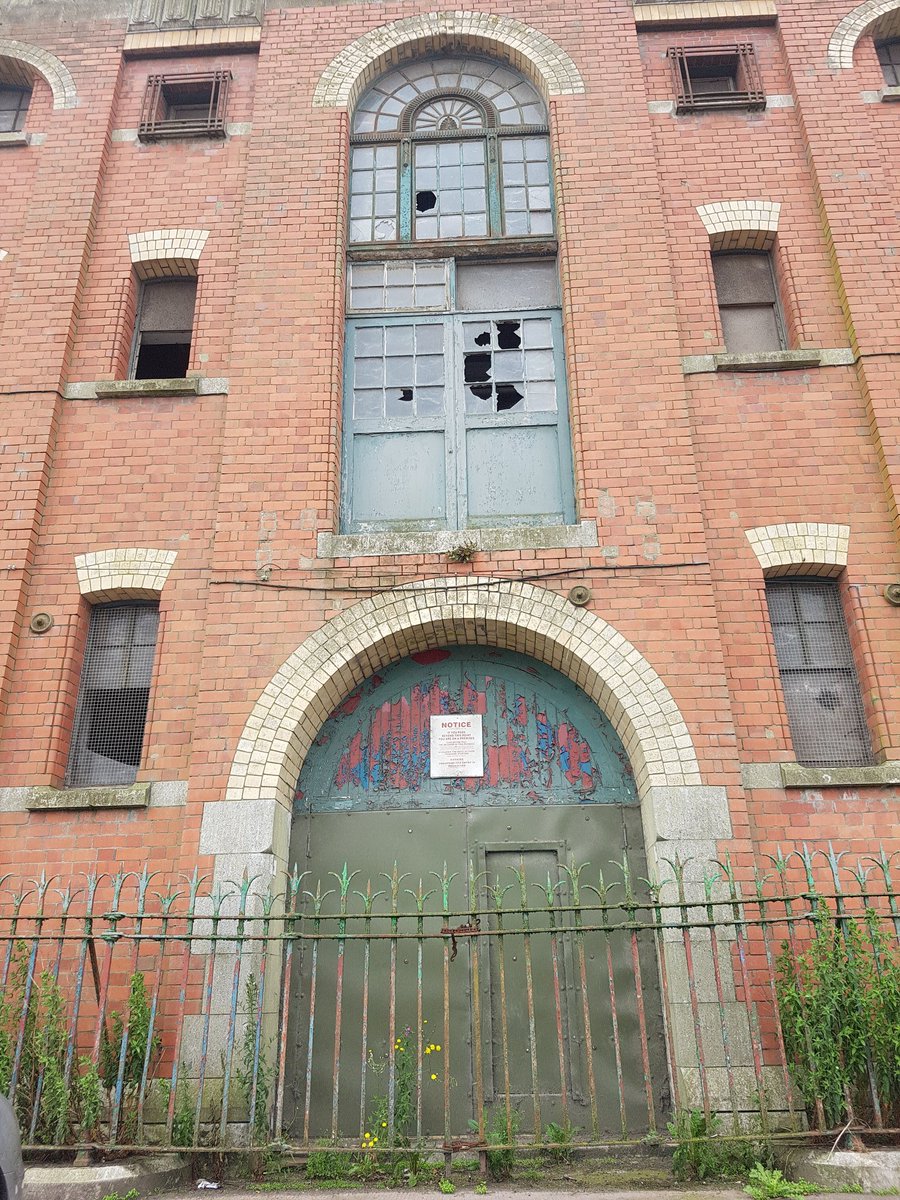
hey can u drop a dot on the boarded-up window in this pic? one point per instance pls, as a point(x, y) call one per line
point(112, 695)
point(162, 344)
point(818, 676)
point(748, 302)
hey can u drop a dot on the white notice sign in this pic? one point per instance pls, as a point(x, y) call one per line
point(456, 746)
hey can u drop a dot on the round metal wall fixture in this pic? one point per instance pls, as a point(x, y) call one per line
point(892, 594)
point(41, 622)
point(579, 596)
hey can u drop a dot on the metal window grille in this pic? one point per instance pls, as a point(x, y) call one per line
point(818, 676)
point(190, 105)
point(14, 103)
point(716, 77)
point(889, 57)
point(111, 710)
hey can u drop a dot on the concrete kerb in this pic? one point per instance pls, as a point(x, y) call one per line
point(94, 1182)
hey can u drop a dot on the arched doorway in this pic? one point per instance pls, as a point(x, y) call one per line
point(551, 791)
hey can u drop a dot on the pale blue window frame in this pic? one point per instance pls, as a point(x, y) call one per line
point(412, 473)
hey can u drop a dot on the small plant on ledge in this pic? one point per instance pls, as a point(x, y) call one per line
point(463, 553)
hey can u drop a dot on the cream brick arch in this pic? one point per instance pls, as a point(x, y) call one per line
point(800, 548)
point(740, 224)
point(164, 253)
point(128, 573)
point(508, 614)
point(850, 29)
point(531, 51)
point(51, 68)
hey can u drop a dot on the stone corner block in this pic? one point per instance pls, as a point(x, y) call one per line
point(692, 812)
point(236, 827)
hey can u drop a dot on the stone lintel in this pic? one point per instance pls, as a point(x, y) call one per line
point(513, 537)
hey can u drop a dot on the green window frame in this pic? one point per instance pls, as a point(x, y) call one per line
point(456, 419)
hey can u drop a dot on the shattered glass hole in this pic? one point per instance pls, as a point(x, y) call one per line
point(477, 368)
point(508, 396)
point(425, 201)
point(508, 335)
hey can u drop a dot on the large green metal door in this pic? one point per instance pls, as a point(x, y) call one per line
point(504, 1002)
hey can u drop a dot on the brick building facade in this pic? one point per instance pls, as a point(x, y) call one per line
point(701, 471)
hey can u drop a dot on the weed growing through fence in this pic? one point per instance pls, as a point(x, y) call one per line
point(329, 1163)
point(244, 1071)
point(500, 1130)
point(700, 1156)
point(839, 1002)
point(140, 1045)
point(769, 1184)
point(561, 1138)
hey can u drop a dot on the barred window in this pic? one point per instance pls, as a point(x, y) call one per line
point(707, 77)
point(112, 695)
point(185, 105)
point(818, 676)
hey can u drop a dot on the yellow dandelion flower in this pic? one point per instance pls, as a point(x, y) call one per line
point(374, 1139)
point(434, 1077)
point(427, 1049)
point(437, 1047)
point(384, 1124)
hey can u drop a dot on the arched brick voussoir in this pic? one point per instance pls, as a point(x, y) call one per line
point(533, 52)
point(52, 69)
point(515, 616)
point(850, 29)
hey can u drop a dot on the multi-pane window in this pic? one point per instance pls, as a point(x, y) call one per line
point(185, 105)
point(450, 148)
point(14, 103)
point(456, 411)
point(889, 57)
point(707, 77)
point(818, 676)
point(113, 692)
point(748, 302)
point(162, 340)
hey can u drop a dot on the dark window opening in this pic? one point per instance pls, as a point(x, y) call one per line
point(164, 327)
point(818, 676)
point(184, 106)
point(708, 77)
point(889, 57)
point(748, 302)
point(14, 103)
point(111, 711)
point(425, 201)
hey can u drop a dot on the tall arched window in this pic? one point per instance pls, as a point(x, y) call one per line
point(456, 411)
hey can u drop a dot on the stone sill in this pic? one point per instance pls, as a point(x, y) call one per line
point(881, 775)
point(889, 94)
point(515, 537)
point(15, 139)
point(773, 360)
point(793, 775)
point(148, 389)
point(136, 795)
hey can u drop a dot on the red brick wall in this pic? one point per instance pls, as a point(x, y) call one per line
point(673, 468)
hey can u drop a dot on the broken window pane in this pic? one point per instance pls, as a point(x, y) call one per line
point(373, 194)
point(398, 371)
point(506, 366)
point(450, 190)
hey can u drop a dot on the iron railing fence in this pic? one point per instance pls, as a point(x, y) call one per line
point(444, 1012)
